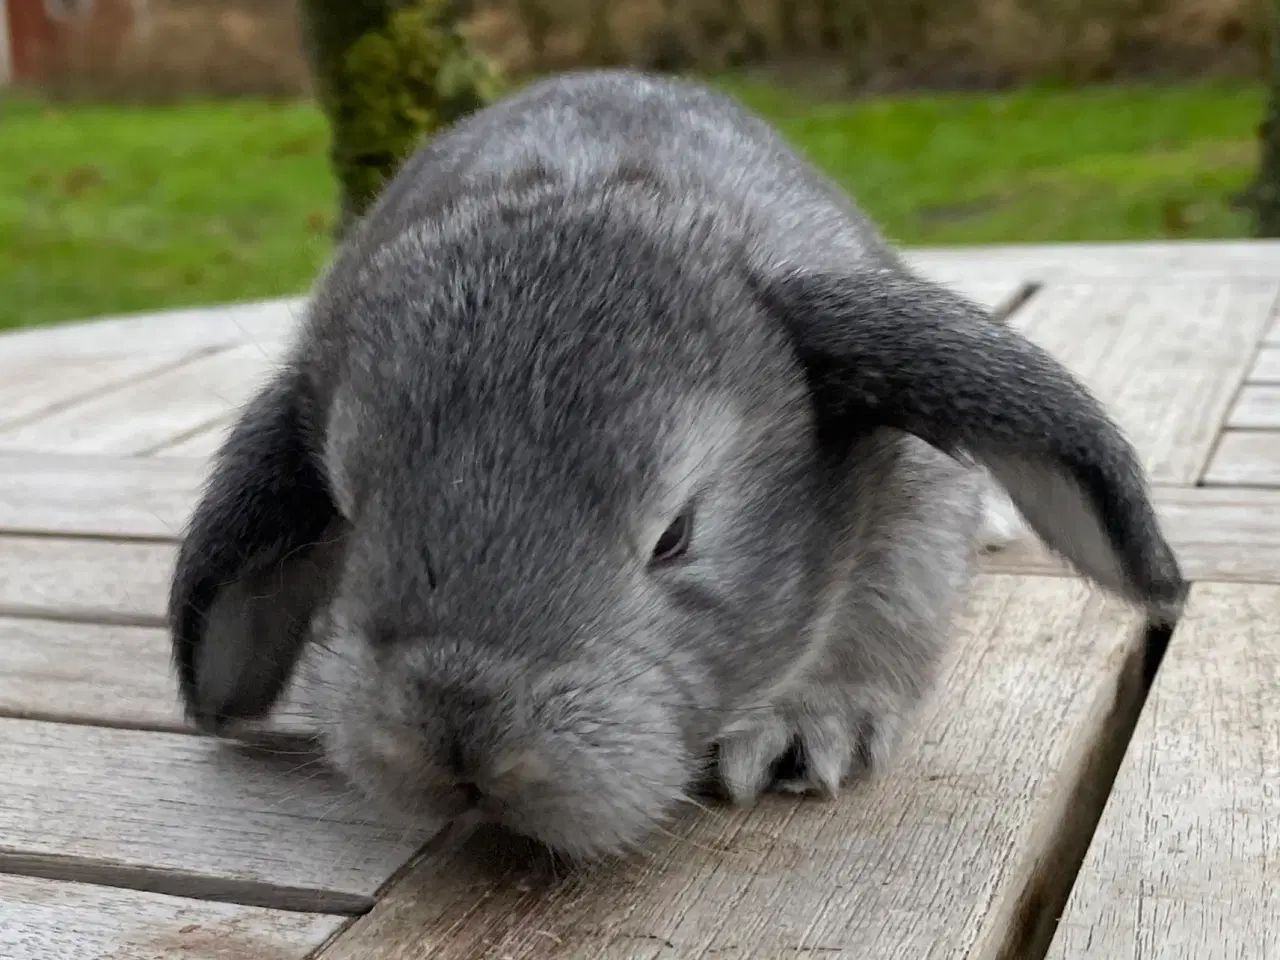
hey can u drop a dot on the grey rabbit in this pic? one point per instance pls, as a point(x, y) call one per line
point(618, 450)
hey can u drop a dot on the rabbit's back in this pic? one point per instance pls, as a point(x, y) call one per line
point(579, 130)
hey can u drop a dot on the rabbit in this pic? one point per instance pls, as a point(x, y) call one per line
point(616, 451)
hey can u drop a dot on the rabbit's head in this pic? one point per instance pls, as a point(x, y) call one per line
point(562, 481)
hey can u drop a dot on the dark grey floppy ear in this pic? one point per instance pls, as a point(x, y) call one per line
point(884, 349)
point(257, 558)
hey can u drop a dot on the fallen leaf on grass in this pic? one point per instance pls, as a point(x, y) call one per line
point(81, 178)
point(297, 146)
point(1173, 217)
point(317, 222)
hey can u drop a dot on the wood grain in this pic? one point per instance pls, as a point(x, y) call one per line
point(1218, 533)
point(1248, 458)
point(52, 920)
point(943, 858)
point(87, 673)
point(85, 579)
point(200, 443)
point(267, 322)
point(1183, 864)
point(1266, 366)
point(189, 816)
point(90, 495)
point(32, 386)
point(1155, 262)
point(1165, 358)
point(110, 675)
point(148, 412)
point(1256, 408)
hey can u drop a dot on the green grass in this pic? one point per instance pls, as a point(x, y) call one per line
point(112, 209)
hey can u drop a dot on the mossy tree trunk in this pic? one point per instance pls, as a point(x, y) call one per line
point(788, 22)
point(387, 74)
point(830, 34)
point(537, 19)
point(858, 43)
point(1264, 193)
point(600, 45)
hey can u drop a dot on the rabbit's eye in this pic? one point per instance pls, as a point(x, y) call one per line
point(675, 539)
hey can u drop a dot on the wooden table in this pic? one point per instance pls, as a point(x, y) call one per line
point(123, 835)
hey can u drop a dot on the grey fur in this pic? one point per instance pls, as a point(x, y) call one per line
point(572, 314)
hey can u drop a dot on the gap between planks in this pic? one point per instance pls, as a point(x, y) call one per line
point(61, 920)
point(1182, 866)
point(260, 824)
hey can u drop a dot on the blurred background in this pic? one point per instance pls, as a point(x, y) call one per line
point(159, 153)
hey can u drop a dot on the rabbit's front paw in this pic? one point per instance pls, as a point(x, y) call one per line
point(815, 745)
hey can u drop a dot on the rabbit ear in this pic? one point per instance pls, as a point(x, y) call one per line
point(883, 349)
point(257, 559)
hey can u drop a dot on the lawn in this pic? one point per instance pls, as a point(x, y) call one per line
point(113, 209)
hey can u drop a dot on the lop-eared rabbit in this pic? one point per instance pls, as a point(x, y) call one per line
point(617, 449)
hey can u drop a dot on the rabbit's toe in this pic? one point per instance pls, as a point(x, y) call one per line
point(835, 747)
point(749, 755)
point(807, 751)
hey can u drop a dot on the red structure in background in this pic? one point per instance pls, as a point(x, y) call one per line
point(38, 29)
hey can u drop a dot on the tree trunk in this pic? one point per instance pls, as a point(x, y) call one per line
point(1265, 192)
point(537, 19)
point(377, 67)
point(329, 29)
point(859, 49)
point(789, 38)
point(829, 32)
point(600, 46)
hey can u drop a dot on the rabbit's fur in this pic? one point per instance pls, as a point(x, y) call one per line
point(604, 301)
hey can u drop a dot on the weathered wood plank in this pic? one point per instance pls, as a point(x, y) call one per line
point(31, 386)
point(1272, 338)
point(148, 412)
point(1102, 262)
point(1219, 533)
point(1183, 864)
point(87, 673)
point(1248, 458)
point(52, 920)
point(85, 579)
point(944, 857)
point(1266, 366)
point(189, 816)
point(114, 675)
point(88, 495)
point(1256, 408)
point(268, 322)
point(1166, 358)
